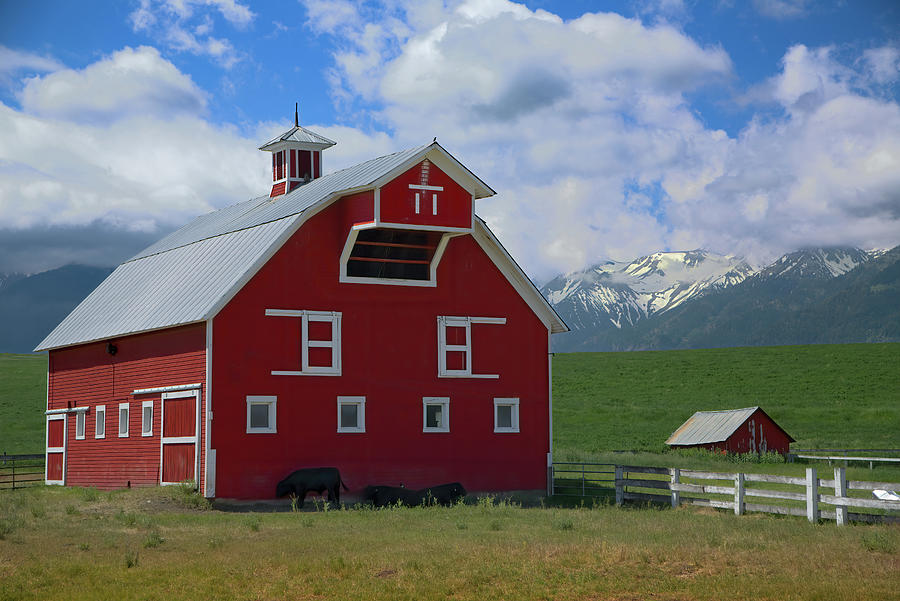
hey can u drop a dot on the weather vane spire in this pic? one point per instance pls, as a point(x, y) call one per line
point(296, 114)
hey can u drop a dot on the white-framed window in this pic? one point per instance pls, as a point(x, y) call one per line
point(79, 425)
point(320, 342)
point(506, 415)
point(261, 416)
point(455, 345)
point(147, 418)
point(436, 414)
point(351, 414)
point(100, 421)
point(123, 420)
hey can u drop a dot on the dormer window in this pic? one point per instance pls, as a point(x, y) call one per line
point(392, 256)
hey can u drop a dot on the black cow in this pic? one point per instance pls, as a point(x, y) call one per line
point(444, 494)
point(312, 479)
point(383, 496)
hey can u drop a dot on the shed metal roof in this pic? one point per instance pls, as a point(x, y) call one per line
point(710, 426)
point(190, 274)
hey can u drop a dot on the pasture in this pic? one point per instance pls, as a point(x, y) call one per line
point(161, 543)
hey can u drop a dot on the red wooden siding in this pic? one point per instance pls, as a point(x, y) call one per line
point(180, 415)
point(55, 466)
point(398, 200)
point(178, 462)
point(356, 208)
point(389, 355)
point(277, 189)
point(55, 433)
point(87, 375)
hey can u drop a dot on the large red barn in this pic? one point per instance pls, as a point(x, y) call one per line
point(366, 319)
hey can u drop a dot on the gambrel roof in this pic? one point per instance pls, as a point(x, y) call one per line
point(705, 427)
point(189, 275)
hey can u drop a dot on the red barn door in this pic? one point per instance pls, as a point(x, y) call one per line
point(179, 437)
point(55, 471)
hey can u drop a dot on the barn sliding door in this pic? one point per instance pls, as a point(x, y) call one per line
point(180, 435)
point(55, 469)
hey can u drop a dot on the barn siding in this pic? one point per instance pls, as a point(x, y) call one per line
point(389, 355)
point(87, 375)
point(398, 200)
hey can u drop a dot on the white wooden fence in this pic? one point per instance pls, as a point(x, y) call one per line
point(734, 485)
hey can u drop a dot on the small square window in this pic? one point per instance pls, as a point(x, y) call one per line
point(79, 425)
point(123, 420)
point(100, 421)
point(435, 414)
point(261, 417)
point(147, 418)
point(351, 414)
point(506, 415)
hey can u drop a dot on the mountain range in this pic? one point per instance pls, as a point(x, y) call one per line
point(698, 299)
point(666, 300)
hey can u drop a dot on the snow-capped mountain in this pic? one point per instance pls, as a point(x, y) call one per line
point(818, 263)
point(622, 293)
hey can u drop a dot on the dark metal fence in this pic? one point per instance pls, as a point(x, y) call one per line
point(19, 471)
point(574, 479)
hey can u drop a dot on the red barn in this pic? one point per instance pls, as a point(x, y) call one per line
point(749, 430)
point(366, 319)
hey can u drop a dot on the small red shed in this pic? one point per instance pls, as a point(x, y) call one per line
point(749, 430)
point(366, 319)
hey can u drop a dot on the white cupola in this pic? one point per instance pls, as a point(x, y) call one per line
point(296, 157)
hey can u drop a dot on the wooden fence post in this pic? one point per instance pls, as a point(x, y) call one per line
point(739, 494)
point(620, 486)
point(840, 490)
point(676, 495)
point(812, 495)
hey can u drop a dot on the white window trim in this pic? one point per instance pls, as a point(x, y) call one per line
point(514, 403)
point(271, 401)
point(445, 321)
point(61, 450)
point(127, 409)
point(100, 418)
point(144, 405)
point(80, 421)
point(360, 402)
point(334, 317)
point(445, 413)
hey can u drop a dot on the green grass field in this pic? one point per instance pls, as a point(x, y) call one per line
point(23, 398)
point(825, 396)
point(70, 543)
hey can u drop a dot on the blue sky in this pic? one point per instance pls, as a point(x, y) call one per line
point(609, 129)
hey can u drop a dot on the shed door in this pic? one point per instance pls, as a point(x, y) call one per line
point(179, 437)
point(55, 470)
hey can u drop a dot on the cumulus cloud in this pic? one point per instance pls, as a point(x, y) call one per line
point(132, 81)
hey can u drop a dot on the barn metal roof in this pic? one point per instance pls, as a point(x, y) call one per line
point(300, 134)
point(710, 426)
point(189, 275)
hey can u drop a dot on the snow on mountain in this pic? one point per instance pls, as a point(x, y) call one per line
point(621, 293)
point(818, 263)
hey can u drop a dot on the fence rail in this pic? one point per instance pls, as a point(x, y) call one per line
point(727, 490)
point(20, 471)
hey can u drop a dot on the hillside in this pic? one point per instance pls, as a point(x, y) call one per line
point(840, 396)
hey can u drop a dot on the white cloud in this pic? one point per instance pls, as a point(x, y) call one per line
point(15, 62)
point(131, 81)
point(883, 64)
point(187, 26)
point(781, 9)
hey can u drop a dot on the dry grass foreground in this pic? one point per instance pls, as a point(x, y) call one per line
point(162, 543)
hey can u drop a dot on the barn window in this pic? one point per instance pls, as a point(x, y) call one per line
point(261, 414)
point(123, 420)
point(100, 421)
point(436, 414)
point(455, 345)
point(320, 342)
point(147, 418)
point(506, 415)
point(392, 256)
point(79, 425)
point(351, 414)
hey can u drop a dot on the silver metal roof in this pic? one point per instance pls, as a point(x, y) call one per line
point(303, 135)
point(181, 286)
point(710, 426)
point(190, 274)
